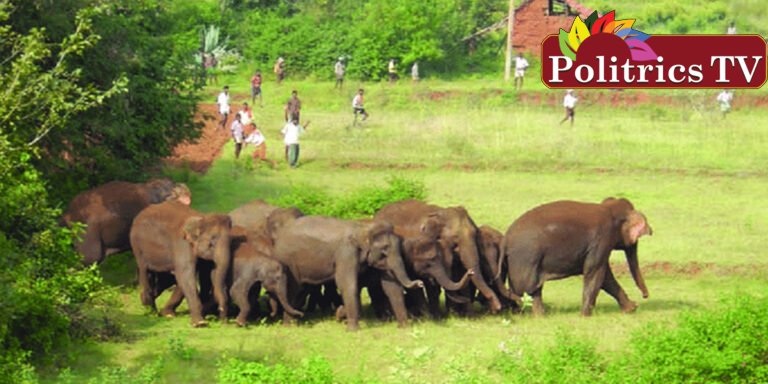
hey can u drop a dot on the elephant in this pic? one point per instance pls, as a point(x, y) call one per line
point(172, 237)
point(318, 249)
point(493, 263)
point(425, 261)
point(567, 238)
point(260, 217)
point(108, 212)
point(457, 237)
point(250, 267)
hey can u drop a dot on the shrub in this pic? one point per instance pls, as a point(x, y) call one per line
point(314, 370)
point(720, 346)
point(361, 203)
point(570, 360)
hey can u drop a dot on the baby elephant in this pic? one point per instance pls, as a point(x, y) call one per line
point(251, 266)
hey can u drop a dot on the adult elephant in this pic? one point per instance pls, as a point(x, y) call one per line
point(108, 212)
point(319, 249)
point(567, 238)
point(490, 241)
point(259, 217)
point(457, 236)
point(172, 237)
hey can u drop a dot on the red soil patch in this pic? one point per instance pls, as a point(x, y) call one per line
point(200, 154)
point(693, 268)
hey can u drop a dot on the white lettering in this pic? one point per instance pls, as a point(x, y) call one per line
point(743, 64)
point(556, 69)
point(721, 62)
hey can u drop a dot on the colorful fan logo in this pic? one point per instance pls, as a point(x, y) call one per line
point(593, 25)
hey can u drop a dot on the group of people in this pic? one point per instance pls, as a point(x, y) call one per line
point(245, 131)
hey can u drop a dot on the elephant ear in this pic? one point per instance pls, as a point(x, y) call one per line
point(192, 228)
point(431, 227)
point(634, 227)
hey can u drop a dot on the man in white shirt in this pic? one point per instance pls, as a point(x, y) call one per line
point(415, 71)
point(569, 102)
point(237, 135)
point(223, 102)
point(724, 99)
point(358, 106)
point(339, 70)
point(521, 64)
point(732, 28)
point(291, 133)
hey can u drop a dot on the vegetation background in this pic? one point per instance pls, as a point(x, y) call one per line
point(101, 90)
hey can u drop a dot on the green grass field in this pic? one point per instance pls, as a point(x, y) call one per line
point(700, 180)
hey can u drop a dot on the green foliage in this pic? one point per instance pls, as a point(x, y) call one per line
point(128, 57)
point(570, 359)
point(313, 370)
point(361, 203)
point(311, 35)
point(724, 346)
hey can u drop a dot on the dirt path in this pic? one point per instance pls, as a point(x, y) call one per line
point(199, 156)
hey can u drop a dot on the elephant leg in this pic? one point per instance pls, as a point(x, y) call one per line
point(612, 287)
point(538, 303)
point(185, 279)
point(593, 282)
point(346, 280)
point(90, 247)
point(169, 310)
point(331, 295)
point(294, 294)
point(314, 293)
point(239, 294)
point(147, 296)
point(394, 292)
point(433, 300)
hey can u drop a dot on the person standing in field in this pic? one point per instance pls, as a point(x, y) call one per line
point(237, 135)
point(732, 28)
point(279, 69)
point(223, 102)
point(339, 70)
point(293, 107)
point(724, 99)
point(569, 102)
point(358, 107)
point(291, 132)
point(392, 70)
point(415, 71)
point(256, 88)
point(521, 64)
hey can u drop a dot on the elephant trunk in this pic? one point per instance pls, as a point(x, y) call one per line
point(222, 258)
point(397, 268)
point(281, 291)
point(634, 268)
point(442, 278)
point(470, 259)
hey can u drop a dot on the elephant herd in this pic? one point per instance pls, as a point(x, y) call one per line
point(406, 255)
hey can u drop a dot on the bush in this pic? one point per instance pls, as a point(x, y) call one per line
point(721, 346)
point(570, 360)
point(314, 370)
point(361, 203)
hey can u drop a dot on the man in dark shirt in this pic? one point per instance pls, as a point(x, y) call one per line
point(293, 107)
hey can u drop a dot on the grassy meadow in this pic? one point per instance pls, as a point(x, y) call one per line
point(700, 179)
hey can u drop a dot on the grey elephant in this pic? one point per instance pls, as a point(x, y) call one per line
point(252, 267)
point(319, 249)
point(457, 238)
point(567, 238)
point(172, 237)
point(259, 217)
point(108, 212)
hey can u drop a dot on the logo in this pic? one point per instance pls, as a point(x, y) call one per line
point(604, 52)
